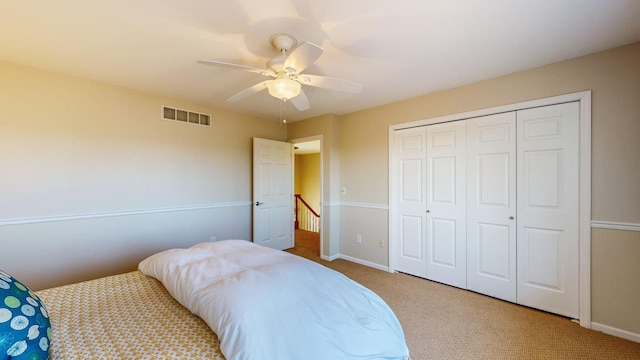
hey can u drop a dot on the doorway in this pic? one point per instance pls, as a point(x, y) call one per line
point(307, 175)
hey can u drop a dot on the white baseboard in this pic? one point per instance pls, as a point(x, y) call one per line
point(364, 262)
point(329, 258)
point(616, 332)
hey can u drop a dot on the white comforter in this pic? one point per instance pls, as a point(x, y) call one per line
point(267, 304)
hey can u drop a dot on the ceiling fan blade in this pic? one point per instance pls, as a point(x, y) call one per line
point(236, 67)
point(249, 91)
point(301, 102)
point(302, 56)
point(330, 83)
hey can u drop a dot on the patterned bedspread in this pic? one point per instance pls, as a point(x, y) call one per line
point(127, 316)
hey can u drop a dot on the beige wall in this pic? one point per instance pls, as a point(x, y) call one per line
point(614, 78)
point(307, 179)
point(93, 179)
point(615, 292)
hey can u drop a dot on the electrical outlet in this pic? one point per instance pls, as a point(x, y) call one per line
point(380, 243)
point(359, 239)
point(213, 238)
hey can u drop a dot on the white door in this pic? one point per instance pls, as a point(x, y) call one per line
point(548, 194)
point(446, 203)
point(272, 194)
point(491, 205)
point(409, 223)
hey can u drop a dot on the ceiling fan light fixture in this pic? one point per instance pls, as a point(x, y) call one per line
point(283, 88)
point(286, 70)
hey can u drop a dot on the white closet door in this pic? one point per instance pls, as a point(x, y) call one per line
point(491, 205)
point(409, 174)
point(446, 203)
point(548, 194)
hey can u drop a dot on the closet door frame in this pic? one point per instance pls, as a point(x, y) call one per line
point(584, 98)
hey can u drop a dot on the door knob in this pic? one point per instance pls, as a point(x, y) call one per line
point(258, 203)
point(511, 218)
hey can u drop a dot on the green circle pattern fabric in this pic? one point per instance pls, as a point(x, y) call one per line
point(25, 329)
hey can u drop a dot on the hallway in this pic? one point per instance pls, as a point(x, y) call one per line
point(307, 244)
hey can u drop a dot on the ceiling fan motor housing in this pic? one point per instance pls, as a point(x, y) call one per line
point(276, 63)
point(283, 42)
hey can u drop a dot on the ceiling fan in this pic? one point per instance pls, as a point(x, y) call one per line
point(286, 70)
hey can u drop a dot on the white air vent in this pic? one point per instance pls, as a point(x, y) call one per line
point(169, 113)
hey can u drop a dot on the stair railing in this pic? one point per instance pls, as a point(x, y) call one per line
point(305, 217)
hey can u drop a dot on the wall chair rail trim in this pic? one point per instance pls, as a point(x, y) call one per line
point(365, 205)
point(45, 219)
point(615, 225)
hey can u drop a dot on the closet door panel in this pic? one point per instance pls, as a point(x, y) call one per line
point(446, 203)
point(443, 233)
point(491, 205)
point(548, 208)
point(410, 199)
point(493, 251)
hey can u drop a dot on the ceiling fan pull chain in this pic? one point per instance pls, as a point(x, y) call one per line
point(283, 121)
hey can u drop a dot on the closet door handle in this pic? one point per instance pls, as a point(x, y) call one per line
point(428, 211)
point(258, 203)
point(511, 217)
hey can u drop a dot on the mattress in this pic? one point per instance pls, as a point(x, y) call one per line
point(127, 316)
point(266, 304)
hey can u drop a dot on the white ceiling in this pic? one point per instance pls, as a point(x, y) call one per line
point(396, 49)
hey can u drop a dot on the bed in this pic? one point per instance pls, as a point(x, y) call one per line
point(126, 316)
point(229, 300)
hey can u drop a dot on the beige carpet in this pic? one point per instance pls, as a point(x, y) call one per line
point(443, 322)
